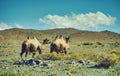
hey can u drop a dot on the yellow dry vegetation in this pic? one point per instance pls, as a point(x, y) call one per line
point(97, 56)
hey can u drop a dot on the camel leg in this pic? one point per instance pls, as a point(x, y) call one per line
point(21, 54)
point(51, 50)
point(57, 51)
point(65, 51)
point(33, 55)
point(26, 53)
point(39, 50)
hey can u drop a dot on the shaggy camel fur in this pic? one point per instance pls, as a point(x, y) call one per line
point(60, 45)
point(31, 46)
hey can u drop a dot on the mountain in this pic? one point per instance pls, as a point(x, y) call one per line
point(75, 34)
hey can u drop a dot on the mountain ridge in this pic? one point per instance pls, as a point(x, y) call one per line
point(20, 34)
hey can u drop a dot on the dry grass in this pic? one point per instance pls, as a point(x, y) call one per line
point(54, 56)
point(113, 57)
point(15, 73)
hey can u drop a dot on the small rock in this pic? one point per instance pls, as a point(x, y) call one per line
point(31, 62)
point(37, 62)
point(19, 62)
point(73, 62)
point(18, 65)
point(81, 62)
point(44, 65)
point(5, 68)
point(89, 62)
point(68, 73)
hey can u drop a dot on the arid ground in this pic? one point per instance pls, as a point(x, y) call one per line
point(90, 54)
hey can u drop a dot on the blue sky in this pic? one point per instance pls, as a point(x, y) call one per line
point(92, 15)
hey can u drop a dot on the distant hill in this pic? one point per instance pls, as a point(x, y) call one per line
point(20, 34)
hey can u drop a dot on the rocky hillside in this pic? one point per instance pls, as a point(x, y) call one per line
point(20, 34)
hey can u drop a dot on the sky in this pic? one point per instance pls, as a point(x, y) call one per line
point(91, 15)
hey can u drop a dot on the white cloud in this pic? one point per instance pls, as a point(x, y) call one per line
point(4, 26)
point(18, 25)
point(81, 21)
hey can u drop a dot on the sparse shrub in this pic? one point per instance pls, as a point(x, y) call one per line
point(8, 73)
point(111, 60)
point(105, 63)
point(87, 43)
point(76, 55)
point(107, 51)
point(98, 57)
point(84, 55)
point(14, 73)
point(117, 52)
point(99, 43)
point(54, 56)
point(104, 58)
point(73, 71)
point(93, 55)
point(49, 56)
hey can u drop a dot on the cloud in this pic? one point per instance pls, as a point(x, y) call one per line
point(4, 26)
point(18, 25)
point(81, 21)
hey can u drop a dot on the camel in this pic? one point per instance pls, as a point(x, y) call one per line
point(60, 45)
point(31, 46)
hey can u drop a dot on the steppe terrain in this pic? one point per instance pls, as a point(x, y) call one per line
point(90, 53)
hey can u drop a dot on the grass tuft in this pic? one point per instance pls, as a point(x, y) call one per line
point(14, 73)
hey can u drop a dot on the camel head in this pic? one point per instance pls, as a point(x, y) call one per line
point(46, 41)
point(67, 39)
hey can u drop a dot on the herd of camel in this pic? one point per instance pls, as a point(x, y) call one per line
point(58, 45)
